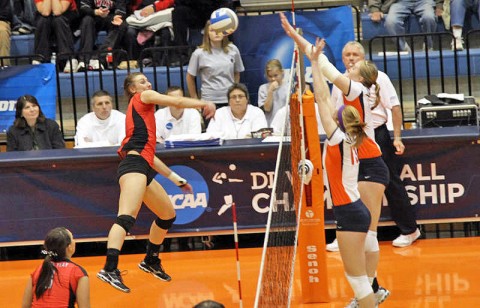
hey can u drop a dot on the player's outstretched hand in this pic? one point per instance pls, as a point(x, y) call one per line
point(289, 30)
point(187, 189)
point(209, 110)
point(313, 52)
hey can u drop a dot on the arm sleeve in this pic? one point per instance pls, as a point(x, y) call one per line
point(259, 120)
point(121, 8)
point(388, 94)
point(195, 126)
point(11, 141)
point(193, 64)
point(356, 89)
point(56, 136)
point(87, 7)
point(374, 5)
point(262, 94)
point(239, 67)
point(162, 4)
point(337, 97)
point(81, 133)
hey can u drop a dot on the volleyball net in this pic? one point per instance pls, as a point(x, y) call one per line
point(295, 225)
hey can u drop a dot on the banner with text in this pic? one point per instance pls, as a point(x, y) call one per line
point(83, 195)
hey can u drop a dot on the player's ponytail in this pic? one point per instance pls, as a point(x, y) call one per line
point(55, 250)
point(377, 96)
point(369, 73)
point(352, 124)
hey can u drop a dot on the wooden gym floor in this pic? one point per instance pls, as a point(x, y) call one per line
point(438, 273)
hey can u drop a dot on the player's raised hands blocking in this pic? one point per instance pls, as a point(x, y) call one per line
point(301, 42)
point(314, 51)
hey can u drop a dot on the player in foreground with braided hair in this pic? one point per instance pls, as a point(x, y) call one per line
point(136, 176)
point(345, 133)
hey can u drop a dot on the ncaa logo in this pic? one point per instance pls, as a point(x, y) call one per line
point(309, 214)
point(188, 207)
point(169, 125)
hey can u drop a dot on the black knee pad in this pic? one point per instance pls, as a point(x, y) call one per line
point(165, 224)
point(126, 222)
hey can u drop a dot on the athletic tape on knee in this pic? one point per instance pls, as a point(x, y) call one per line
point(328, 69)
point(360, 285)
point(371, 242)
point(165, 224)
point(126, 222)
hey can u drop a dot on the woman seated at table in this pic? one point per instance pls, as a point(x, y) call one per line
point(31, 130)
point(239, 119)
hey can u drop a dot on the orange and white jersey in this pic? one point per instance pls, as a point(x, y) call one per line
point(341, 163)
point(358, 97)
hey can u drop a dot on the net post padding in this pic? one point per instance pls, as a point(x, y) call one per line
point(311, 256)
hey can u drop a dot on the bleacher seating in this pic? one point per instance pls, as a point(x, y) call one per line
point(22, 45)
point(371, 29)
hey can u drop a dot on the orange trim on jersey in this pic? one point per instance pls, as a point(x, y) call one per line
point(358, 104)
point(369, 149)
point(334, 166)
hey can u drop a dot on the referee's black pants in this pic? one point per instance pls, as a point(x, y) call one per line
point(402, 211)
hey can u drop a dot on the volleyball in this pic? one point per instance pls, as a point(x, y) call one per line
point(224, 20)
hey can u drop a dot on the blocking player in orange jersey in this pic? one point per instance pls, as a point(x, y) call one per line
point(373, 174)
point(345, 134)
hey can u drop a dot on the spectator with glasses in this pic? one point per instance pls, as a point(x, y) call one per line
point(239, 119)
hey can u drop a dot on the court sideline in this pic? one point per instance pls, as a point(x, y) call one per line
point(440, 273)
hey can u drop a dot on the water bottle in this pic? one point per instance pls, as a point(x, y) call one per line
point(109, 58)
point(53, 58)
point(365, 6)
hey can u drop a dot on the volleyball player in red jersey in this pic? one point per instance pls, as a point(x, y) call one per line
point(58, 282)
point(345, 134)
point(136, 174)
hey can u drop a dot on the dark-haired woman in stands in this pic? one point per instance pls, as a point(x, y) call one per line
point(31, 130)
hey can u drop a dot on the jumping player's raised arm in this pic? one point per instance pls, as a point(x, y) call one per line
point(153, 97)
point(328, 69)
point(322, 92)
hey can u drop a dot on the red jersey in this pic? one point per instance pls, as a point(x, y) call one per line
point(369, 148)
point(140, 129)
point(63, 286)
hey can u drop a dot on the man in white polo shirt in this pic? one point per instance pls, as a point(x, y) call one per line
point(176, 121)
point(104, 126)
